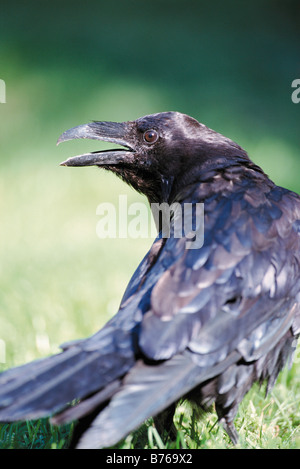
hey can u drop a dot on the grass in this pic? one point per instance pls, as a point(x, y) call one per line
point(262, 423)
point(59, 282)
point(34, 435)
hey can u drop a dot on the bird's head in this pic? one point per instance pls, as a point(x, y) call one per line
point(162, 151)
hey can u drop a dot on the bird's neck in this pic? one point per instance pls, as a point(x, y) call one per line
point(214, 176)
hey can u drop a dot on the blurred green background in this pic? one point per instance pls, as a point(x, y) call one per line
point(230, 64)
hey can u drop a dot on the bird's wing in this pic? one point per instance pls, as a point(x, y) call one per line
point(146, 390)
point(239, 291)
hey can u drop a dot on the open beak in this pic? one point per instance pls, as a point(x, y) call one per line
point(115, 132)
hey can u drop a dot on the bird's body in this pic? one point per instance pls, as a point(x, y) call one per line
point(201, 323)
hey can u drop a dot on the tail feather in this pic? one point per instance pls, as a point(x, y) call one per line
point(46, 386)
point(147, 389)
point(86, 406)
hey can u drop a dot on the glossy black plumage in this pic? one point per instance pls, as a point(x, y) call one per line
point(202, 324)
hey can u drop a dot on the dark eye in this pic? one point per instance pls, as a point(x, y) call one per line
point(150, 136)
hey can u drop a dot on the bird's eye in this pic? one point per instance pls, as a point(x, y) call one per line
point(150, 136)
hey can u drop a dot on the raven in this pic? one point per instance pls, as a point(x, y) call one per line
point(200, 324)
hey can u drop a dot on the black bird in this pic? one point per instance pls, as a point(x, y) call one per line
point(198, 322)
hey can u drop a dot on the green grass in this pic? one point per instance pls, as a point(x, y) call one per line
point(59, 282)
point(266, 423)
point(34, 435)
point(262, 423)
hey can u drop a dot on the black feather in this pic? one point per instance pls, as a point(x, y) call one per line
point(202, 324)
